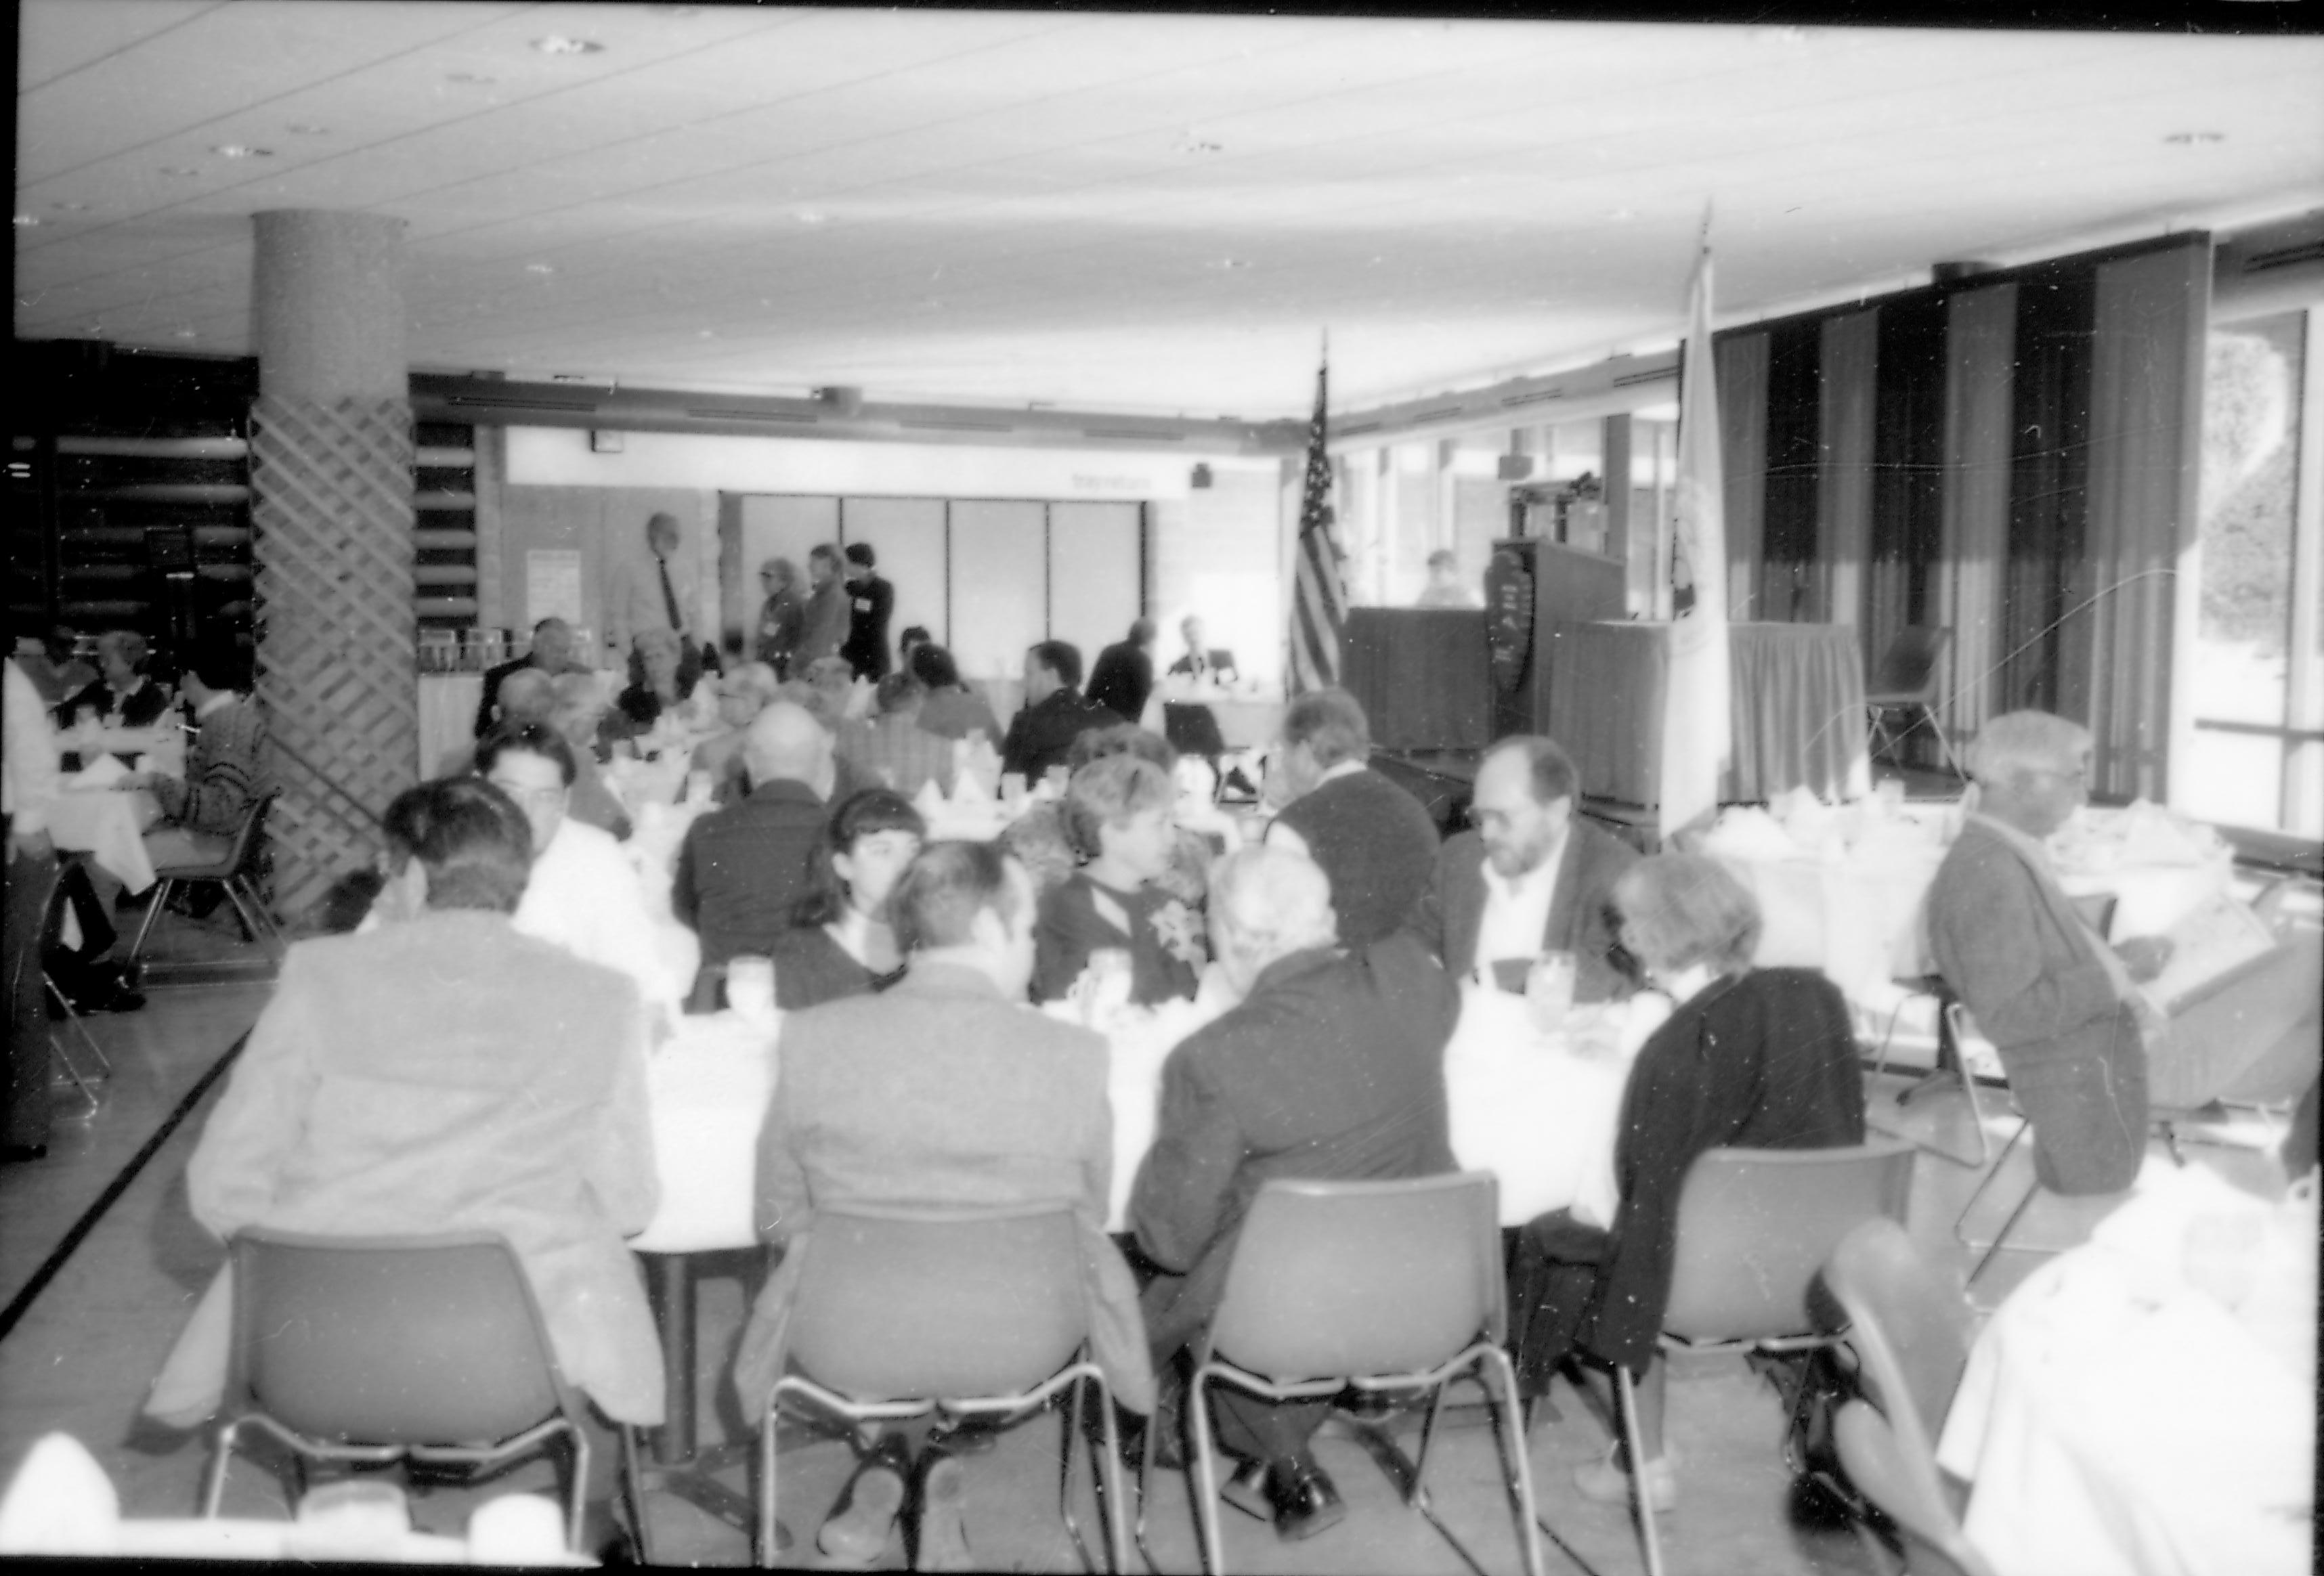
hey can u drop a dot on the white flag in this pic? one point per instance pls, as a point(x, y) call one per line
point(1697, 730)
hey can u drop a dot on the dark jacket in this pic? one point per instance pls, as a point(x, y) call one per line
point(1332, 1068)
point(1122, 679)
point(741, 868)
point(2009, 942)
point(1375, 841)
point(871, 601)
point(1041, 736)
point(1581, 909)
point(1761, 1060)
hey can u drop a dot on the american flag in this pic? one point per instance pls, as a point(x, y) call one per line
point(1319, 602)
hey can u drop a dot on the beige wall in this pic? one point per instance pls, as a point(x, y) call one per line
point(607, 526)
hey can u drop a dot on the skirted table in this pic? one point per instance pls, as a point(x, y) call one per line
point(1796, 698)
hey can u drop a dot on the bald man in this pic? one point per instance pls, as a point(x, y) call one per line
point(741, 868)
point(660, 591)
point(1331, 1068)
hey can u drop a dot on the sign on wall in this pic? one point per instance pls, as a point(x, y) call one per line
point(552, 585)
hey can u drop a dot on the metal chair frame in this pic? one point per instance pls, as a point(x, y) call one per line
point(1484, 1354)
point(52, 909)
point(1081, 1378)
point(1693, 1289)
point(235, 872)
point(244, 1409)
point(1951, 1066)
point(1919, 699)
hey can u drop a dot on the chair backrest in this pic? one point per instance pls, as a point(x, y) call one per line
point(901, 1302)
point(1362, 1277)
point(1908, 668)
point(1909, 1322)
point(242, 857)
point(1755, 1227)
point(433, 1340)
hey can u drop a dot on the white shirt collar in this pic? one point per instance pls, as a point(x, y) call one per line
point(218, 701)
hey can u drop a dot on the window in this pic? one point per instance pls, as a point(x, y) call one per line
point(2258, 682)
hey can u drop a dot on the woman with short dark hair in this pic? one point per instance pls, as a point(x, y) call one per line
point(123, 696)
point(1754, 1058)
point(842, 940)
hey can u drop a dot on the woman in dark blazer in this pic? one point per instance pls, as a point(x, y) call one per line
point(1755, 1058)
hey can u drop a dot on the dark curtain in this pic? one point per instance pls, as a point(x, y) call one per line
point(1789, 584)
point(1981, 336)
point(1907, 468)
point(1848, 356)
point(2042, 664)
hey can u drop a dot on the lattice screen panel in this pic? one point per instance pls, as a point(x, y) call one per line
point(333, 512)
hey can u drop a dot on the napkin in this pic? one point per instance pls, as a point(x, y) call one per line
point(103, 772)
point(60, 1503)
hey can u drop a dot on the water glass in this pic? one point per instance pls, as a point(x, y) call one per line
point(751, 989)
point(1549, 990)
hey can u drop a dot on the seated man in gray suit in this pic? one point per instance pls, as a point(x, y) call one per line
point(1532, 878)
point(946, 1089)
point(1331, 1068)
point(2059, 1005)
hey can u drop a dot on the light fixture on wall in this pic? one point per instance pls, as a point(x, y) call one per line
point(1199, 477)
point(841, 399)
point(1515, 467)
point(604, 440)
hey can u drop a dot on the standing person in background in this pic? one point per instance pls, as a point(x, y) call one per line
point(1444, 586)
point(827, 618)
point(783, 616)
point(913, 638)
point(1124, 674)
point(28, 789)
point(870, 602)
point(664, 592)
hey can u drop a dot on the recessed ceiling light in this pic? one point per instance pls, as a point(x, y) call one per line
point(241, 150)
point(1232, 262)
point(2190, 139)
point(539, 268)
point(181, 171)
point(810, 216)
point(26, 221)
point(185, 334)
point(557, 43)
point(472, 79)
point(69, 208)
point(704, 334)
point(303, 129)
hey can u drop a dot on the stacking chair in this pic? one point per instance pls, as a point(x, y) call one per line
point(1909, 679)
point(1380, 1285)
point(912, 1311)
point(426, 1350)
point(83, 1070)
point(1754, 1228)
point(236, 872)
point(1952, 1066)
point(1909, 1327)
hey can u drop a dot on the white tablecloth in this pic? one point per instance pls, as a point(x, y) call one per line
point(1524, 1106)
point(1860, 914)
point(108, 824)
point(448, 716)
point(2118, 1419)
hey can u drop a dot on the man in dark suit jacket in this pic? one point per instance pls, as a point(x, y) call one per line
point(1332, 1067)
point(1532, 878)
point(1201, 661)
point(1124, 674)
point(1055, 714)
point(870, 602)
point(1374, 840)
point(741, 868)
point(551, 653)
point(2058, 1003)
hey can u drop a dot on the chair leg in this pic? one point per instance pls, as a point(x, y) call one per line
point(1109, 1472)
point(162, 888)
point(1985, 1183)
point(576, 1498)
point(1206, 1475)
point(2001, 1237)
point(1499, 1376)
point(79, 1027)
point(762, 1546)
point(221, 1455)
point(1427, 1434)
point(1625, 1396)
point(633, 1489)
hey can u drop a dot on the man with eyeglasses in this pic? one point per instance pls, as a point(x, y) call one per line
point(1532, 877)
point(2059, 1005)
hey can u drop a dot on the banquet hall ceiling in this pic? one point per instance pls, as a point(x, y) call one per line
point(1145, 214)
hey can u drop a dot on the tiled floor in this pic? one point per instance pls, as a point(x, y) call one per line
point(85, 1350)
